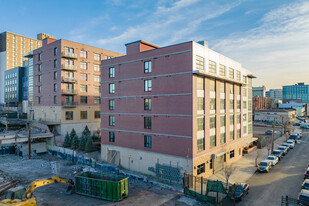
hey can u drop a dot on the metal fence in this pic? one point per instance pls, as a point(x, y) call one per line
point(288, 201)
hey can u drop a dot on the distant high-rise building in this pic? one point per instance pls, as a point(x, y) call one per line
point(297, 91)
point(258, 91)
point(276, 94)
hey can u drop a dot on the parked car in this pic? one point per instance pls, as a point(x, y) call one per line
point(297, 124)
point(264, 166)
point(239, 191)
point(283, 149)
point(305, 184)
point(291, 143)
point(298, 133)
point(306, 175)
point(303, 195)
point(286, 145)
point(278, 153)
point(272, 159)
point(293, 137)
point(268, 131)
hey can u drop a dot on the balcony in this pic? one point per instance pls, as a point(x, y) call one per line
point(69, 92)
point(70, 104)
point(68, 80)
point(69, 67)
point(69, 55)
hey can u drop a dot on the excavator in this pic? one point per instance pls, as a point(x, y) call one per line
point(21, 196)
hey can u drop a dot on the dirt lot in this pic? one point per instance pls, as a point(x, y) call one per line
point(26, 171)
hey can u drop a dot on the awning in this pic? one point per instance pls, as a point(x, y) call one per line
point(248, 141)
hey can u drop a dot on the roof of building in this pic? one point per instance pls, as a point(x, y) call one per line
point(275, 110)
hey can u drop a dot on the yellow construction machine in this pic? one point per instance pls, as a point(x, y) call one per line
point(21, 196)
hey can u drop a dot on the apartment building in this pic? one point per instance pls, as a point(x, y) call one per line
point(184, 106)
point(13, 48)
point(66, 79)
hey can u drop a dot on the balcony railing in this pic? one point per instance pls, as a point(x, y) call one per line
point(69, 104)
point(69, 67)
point(69, 92)
point(68, 79)
point(70, 55)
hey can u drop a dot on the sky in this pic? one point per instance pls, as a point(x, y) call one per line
point(268, 37)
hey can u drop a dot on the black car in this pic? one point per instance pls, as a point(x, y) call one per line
point(239, 191)
point(278, 153)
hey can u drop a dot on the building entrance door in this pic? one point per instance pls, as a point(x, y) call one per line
point(219, 163)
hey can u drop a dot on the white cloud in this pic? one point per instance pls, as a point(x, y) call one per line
point(276, 51)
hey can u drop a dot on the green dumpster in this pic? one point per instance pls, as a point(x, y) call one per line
point(102, 186)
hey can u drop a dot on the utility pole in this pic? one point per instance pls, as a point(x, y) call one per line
point(29, 141)
point(273, 136)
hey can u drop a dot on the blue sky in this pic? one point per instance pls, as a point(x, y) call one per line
point(269, 37)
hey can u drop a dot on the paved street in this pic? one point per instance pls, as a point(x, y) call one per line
point(284, 179)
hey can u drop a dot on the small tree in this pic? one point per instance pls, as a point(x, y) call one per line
point(67, 140)
point(258, 152)
point(72, 134)
point(228, 171)
point(89, 144)
point(75, 142)
point(86, 132)
point(82, 143)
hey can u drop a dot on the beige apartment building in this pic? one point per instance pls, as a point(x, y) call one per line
point(66, 92)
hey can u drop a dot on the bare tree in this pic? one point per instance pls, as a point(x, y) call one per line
point(228, 171)
point(258, 153)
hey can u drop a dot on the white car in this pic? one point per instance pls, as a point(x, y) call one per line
point(291, 143)
point(272, 159)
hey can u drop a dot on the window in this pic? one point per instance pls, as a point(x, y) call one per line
point(244, 117)
point(147, 122)
point(238, 75)
point(200, 144)
point(83, 114)
point(222, 104)
point(231, 119)
point(83, 99)
point(200, 103)
point(83, 88)
point(200, 83)
point(244, 129)
point(69, 62)
point(55, 75)
point(221, 70)
point(199, 62)
point(83, 54)
point(96, 67)
point(244, 92)
point(39, 89)
point(40, 78)
point(231, 73)
point(200, 168)
point(212, 141)
point(238, 133)
point(148, 86)
point(212, 104)
point(210, 164)
point(244, 104)
point(111, 72)
point(97, 114)
point(238, 119)
point(232, 135)
point(200, 124)
point(111, 136)
point(222, 87)
point(97, 100)
point(40, 67)
point(96, 78)
point(212, 67)
point(69, 50)
point(222, 121)
point(69, 115)
point(212, 85)
point(249, 117)
point(238, 104)
point(232, 154)
point(40, 57)
point(97, 57)
point(83, 77)
point(55, 51)
point(231, 88)
point(147, 104)
point(212, 122)
point(249, 105)
point(222, 138)
point(96, 89)
point(147, 141)
point(55, 99)
point(111, 120)
point(39, 100)
point(244, 79)
point(112, 88)
point(55, 87)
point(55, 63)
point(111, 104)
point(147, 67)
point(250, 128)
point(83, 65)
point(231, 103)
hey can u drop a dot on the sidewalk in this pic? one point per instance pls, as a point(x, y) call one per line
point(245, 167)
